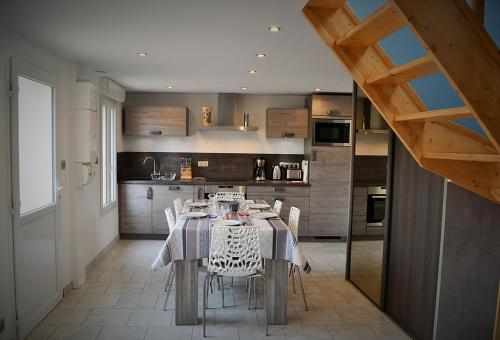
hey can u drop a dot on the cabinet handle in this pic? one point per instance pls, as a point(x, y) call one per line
point(288, 134)
point(313, 156)
point(155, 132)
point(279, 189)
point(333, 113)
point(149, 193)
point(171, 187)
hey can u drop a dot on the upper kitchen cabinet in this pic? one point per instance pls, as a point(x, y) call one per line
point(156, 121)
point(331, 105)
point(287, 123)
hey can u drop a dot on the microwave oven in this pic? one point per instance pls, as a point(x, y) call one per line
point(331, 132)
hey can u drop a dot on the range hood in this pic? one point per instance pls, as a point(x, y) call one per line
point(371, 120)
point(228, 117)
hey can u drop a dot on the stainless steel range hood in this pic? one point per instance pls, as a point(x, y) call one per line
point(228, 117)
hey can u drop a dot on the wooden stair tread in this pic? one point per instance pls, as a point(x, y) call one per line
point(463, 156)
point(331, 4)
point(378, 25)
point(435, 115)
point(414, 69)
point(496, 194)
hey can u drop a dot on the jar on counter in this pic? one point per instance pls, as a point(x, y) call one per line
point(207, 115)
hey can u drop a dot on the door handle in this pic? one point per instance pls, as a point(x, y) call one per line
point(155, 132)
point(149, 193)
point(279, 189)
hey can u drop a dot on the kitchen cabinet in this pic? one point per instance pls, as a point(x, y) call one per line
point(163, 197)
point(156, 121)
point(287, 122)
point(290, 196)
point(330, 176)
point(135, 208)
point(331, 105)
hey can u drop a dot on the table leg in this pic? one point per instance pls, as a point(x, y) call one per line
point(186, 292)
point(276, 291)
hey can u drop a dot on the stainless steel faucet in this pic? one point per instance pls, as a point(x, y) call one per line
point(154, 165)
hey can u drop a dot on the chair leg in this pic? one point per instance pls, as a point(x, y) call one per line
point(246, 285)
point(255, 291)
point(302, 288)
point(265, 305)
point(292, 274)
point(222, 284)
point(205, 298)
point(232, 282)
point(168, 285)
point(249, 289)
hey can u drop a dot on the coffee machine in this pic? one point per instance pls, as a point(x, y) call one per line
point(259, 169)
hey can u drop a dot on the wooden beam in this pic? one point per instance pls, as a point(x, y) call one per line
point(496, 193)
point(464, 52)
point(435, 115)
point(469, 157)
point(478, 10)
point(378, 25)
point(414, 69)
point(331, 4)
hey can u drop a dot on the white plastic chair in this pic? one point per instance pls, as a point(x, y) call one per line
point(277, 207)
point(177, 207)
point(293, 224)
point(230, 195)
point(171, 274)
point(234, 252)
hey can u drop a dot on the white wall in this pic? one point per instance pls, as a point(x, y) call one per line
point(81, 224)
point(216, 141)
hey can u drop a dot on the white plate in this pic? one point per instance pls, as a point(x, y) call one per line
point(264, 215)
point(197, 204)
point(258, 206)
point(194, 214)
point(226, 223)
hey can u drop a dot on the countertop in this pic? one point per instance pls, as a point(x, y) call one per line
point(213, 182)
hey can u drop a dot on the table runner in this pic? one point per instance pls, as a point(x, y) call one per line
point(190, 240)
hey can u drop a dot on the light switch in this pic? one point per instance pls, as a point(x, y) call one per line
point(202, 164)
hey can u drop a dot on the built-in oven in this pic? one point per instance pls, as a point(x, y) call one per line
point(375, 209)
point(224, 187)
point(329, 131)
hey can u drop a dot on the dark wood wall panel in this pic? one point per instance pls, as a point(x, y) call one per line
point(414, 242)
point(471, 267)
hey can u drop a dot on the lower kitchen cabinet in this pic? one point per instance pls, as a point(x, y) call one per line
point(163, 197)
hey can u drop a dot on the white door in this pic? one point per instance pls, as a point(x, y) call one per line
point(34, 194)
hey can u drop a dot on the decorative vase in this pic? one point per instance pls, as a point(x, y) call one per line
point(207, 115)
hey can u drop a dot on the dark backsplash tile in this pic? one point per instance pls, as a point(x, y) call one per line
point(370, 170)
point(230, 166)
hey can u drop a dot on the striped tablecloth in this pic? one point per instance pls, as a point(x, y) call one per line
point(190, 240)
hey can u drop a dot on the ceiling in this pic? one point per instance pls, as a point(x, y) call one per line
point(194, 45)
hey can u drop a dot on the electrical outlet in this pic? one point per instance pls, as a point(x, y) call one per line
point(202, 164)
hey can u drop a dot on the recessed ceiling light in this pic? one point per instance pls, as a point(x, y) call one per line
point(252, 71)
point(317, 89)
point(244, 88)
point(101, 71)
point(170, 87)
point(142, 54)
point(260, 55)
point(274, 28)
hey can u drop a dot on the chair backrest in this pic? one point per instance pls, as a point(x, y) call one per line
point(170, 219)
point(293, 222)
point(277, 206)
point(234, 251)
point(177, 207)
point(230, 195)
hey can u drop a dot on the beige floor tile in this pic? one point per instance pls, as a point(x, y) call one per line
point(155, 287)
point(169, 333)
point(307, 332)
point(351, 332)
point(116, 276)
point(66, 317)
point(41, 333)
point(340, 286)
point(93, 275)
point(216, 332)
point(171, 302)
point(98, 301)
point(92, 288)
point(235, 316)
point(75, 333)
point(149, 276)
point(70, 301)
point(125, 288)
point(360, 315)
point(122, 333)
point(328, 300)
point(150, 317)
point(108, 317)
point(389, 332)
point(137, 301)
point(319, 316)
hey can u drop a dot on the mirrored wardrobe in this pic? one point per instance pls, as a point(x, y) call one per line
point(369, 192)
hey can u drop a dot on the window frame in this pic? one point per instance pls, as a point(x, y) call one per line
point(108, 173)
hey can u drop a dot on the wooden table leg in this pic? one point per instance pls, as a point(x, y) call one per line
point(277, 291)
point(186, 292)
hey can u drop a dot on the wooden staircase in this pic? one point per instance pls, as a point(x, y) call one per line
point(457, 46)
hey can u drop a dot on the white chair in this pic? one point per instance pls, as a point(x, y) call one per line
point(177, 207)
point(234, 252)
point(277, 207)
point(171, 274)
point(293, 224)
point(230, 195)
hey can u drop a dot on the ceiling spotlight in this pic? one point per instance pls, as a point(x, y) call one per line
point(260, 55)
point(252, 71)
point(170, 87)
point(244, 88)
point(142, 54)
point(274, 28)
point(317, 89)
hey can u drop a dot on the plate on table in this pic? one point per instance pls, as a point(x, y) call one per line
point(259, 206)
point(224, 223)
point(194, 214)
point(197, 204)
point(264, 215)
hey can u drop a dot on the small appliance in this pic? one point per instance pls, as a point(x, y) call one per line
point(292, 171)
point(259, 169)
point(331, 132)
point(276, 172)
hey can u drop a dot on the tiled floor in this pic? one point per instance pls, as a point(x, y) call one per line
point(123, 299)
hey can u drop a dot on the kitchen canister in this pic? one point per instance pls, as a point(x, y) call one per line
point(246, 119)
point(207, 115)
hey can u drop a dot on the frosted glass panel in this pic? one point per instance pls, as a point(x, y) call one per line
point(35, 110)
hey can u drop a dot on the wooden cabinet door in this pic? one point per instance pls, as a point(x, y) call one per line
point(330, 191)
point(163, 197)
point(332, 105)
point(156, 121)
point(135, 209)
point(291, 123)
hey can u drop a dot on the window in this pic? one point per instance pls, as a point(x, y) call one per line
point(108, 154)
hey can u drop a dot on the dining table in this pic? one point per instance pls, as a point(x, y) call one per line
point(188, 243)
